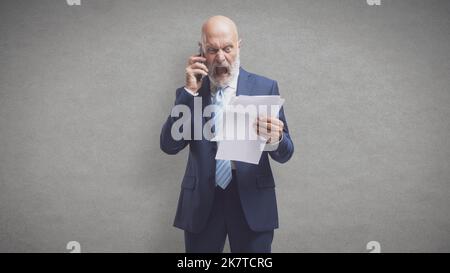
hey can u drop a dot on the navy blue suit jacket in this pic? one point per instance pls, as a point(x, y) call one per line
point(255, 182)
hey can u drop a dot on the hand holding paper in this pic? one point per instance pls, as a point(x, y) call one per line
point(239, 140)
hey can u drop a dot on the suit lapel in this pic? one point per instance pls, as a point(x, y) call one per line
point(244, 85)
point(205, 92)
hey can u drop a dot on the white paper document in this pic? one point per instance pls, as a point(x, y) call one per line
point(238, 140)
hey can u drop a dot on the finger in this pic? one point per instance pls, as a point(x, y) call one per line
point(277, 122)
point(263, 126)
point(259, 131)
point(191, 71)
point(199, 66)
point(264, 132)
point(196, 58)
point(269, 126)
point(262, 119)
point(271, 120)
point(260, 126)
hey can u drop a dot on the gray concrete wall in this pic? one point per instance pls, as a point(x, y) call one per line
point(84, 91)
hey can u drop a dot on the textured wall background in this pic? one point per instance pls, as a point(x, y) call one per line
point(84, 91)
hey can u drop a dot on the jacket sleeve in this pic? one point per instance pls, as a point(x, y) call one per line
point(168, 144)
point(285, 147)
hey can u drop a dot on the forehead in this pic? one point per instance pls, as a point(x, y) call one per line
point(219, 36)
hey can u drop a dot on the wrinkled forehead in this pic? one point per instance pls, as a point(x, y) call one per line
point(219, 34)
point(219, 40)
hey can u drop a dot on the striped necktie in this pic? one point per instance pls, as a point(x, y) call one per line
point(223, 167)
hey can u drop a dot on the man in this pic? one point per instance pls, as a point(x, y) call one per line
point(220, 197)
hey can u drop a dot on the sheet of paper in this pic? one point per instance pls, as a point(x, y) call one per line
point(239, 140)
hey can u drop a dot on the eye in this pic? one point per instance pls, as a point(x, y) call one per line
point(211, 50)
point(227, 49)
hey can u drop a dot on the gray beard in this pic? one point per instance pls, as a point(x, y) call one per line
point(234, 69)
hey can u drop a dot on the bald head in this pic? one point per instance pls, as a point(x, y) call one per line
point(217, 26)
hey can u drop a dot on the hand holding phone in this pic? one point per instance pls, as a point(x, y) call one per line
point(199, 77)
point(195, 71)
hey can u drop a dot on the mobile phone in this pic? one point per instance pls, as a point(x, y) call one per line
point(199, 77)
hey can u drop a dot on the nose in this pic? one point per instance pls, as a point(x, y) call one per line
point(220, 57)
